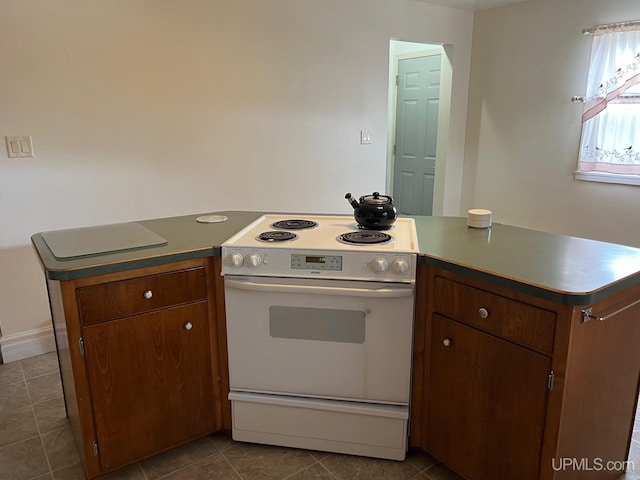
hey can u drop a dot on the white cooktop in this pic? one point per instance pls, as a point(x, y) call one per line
point(324, 236)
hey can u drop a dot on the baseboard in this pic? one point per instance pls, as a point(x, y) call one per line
point(27, 344)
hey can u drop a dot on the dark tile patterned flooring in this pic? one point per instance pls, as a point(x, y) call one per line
point(36, 444)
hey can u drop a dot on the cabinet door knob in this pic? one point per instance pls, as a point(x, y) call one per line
point(148, 294)
point(484, 313)
point(446, 342)
point(188, 326)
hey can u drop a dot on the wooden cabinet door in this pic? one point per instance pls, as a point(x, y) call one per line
point(487, 403)
point(151, 382)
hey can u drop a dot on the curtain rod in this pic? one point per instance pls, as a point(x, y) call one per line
point(612, 27)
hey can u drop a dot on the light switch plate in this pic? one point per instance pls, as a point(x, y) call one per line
point(19, 146)
point(365, 137)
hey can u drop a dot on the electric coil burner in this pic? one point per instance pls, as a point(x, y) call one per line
point(277, 236)
point(294, 224)
point(367, 237)
point(319, 318)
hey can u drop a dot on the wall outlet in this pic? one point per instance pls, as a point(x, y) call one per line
point(365, 137)
point(20, 146)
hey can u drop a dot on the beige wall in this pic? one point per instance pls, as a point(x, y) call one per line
point(142, 109)
point(523, 133)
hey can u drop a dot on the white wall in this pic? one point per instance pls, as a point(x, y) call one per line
point(523, 133)
point(142, 109)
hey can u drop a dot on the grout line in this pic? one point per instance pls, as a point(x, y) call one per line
point(144, 474)
point(19, 441)
point(316, 461)
point(229, 463)
point(419, 475)
point(44, 450)
point(327, 470)
point(184, 467)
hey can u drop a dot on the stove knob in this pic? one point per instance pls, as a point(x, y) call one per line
point(379, 265)
point(253, 260)
point(235, 259)
point(400, 266)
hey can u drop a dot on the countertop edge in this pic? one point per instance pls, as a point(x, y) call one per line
point(105, 264)
point(564, 298)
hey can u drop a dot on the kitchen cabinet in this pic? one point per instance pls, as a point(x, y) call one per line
point(487, 402)
point(508, 385)
point(139, 360)
point(534, 286)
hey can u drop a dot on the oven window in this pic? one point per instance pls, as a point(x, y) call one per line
point(321, 324)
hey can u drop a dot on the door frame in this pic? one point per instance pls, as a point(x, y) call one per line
point(423, 50)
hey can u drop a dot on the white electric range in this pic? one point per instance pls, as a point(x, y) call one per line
point(319, 330)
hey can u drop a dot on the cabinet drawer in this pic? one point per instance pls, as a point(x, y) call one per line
point(524, 324)
point(112, 300)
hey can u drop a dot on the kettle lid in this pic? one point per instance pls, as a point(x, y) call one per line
point(376, 199)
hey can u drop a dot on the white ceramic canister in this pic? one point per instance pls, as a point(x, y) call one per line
point(479, 218)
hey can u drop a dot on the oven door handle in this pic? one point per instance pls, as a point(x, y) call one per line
point(385, 292)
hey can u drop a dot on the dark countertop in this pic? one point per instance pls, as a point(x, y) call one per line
point(560, 268)
point(186, 239)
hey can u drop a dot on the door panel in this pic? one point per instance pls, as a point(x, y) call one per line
point(418, 99)
point(487, 403)
point(151, 382)
point(326, 345)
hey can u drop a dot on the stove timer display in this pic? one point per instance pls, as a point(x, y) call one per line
point(316, 262)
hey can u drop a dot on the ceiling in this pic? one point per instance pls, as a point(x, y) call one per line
point(472, 4)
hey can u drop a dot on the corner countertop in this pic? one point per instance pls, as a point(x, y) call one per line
point(559, 268)
point(186, 239)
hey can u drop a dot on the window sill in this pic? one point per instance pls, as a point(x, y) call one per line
point(607, 178)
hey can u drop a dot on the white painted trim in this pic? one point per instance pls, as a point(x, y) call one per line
point(27, 344)
point(607, 177)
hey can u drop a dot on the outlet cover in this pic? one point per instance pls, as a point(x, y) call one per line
point(20, 146)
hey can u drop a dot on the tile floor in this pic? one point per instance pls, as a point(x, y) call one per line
point(36, 444)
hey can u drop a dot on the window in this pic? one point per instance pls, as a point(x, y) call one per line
point(610, 143)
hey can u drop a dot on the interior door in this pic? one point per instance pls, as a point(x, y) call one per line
point(418, 98)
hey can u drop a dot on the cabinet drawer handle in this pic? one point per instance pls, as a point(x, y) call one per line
point(188, 326)
point(148, 294)
point(484, 313)
point(447, 342)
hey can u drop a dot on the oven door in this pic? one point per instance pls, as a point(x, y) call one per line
point(320, 338)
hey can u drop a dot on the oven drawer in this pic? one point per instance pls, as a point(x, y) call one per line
point(328, 425)
point(510, 319)
point(113, 300)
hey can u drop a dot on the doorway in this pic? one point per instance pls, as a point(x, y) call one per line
point(419, 78)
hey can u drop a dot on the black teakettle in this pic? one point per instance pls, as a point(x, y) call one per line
point(373, 211)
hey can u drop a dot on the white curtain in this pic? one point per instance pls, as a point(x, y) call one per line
point(611, 124)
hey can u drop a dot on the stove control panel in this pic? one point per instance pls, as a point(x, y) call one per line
point(330, 264)
point(316, 262)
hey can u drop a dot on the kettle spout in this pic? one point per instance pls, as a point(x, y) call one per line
point(352, 201)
